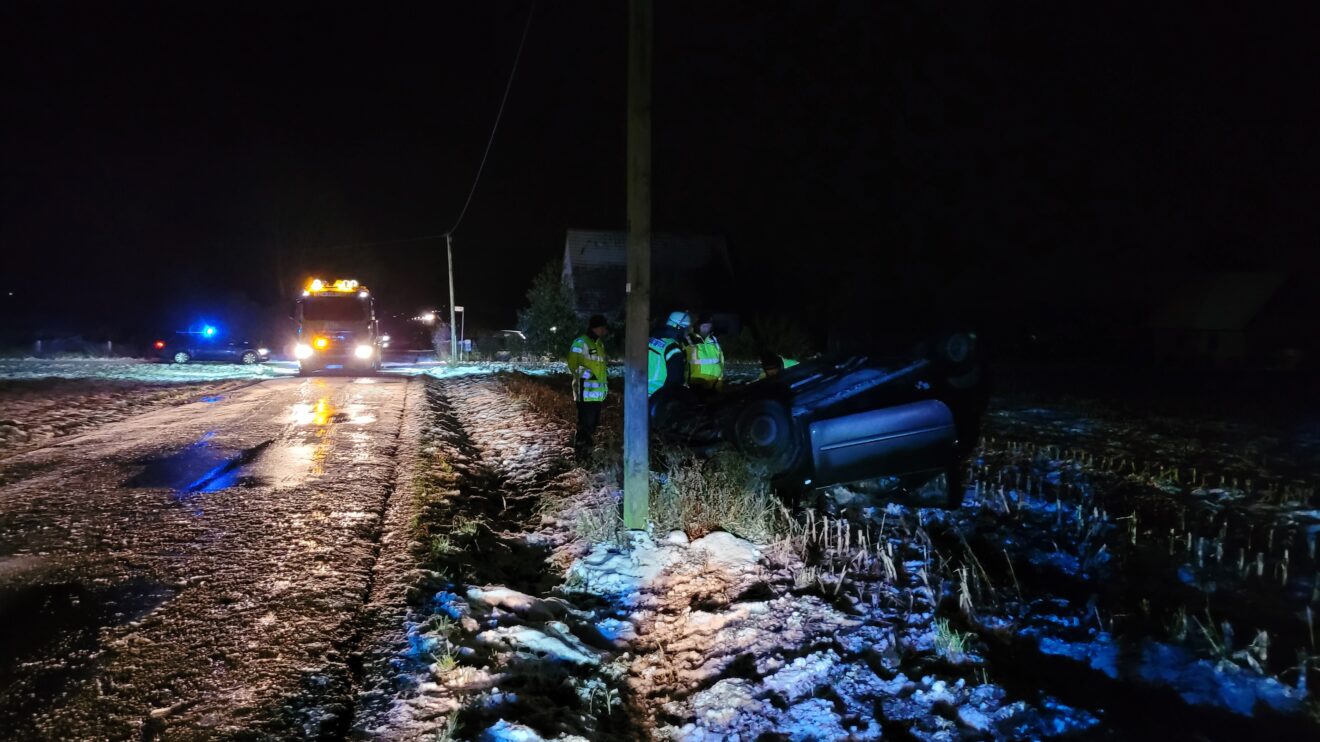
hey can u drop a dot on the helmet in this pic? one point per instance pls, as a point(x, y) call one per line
point(680, 320)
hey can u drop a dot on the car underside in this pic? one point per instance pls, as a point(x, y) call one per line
point(833, 421)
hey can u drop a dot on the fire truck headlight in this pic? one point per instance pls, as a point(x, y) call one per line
point(301, 351)
point(362, 351)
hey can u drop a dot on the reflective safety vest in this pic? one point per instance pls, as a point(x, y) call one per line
point(586, 362)
point(705, 362)
point(659, 352)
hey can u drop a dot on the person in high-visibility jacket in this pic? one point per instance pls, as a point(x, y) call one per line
point(587, 366)
point(705, 357)
point(772, 364)
point(666, 365)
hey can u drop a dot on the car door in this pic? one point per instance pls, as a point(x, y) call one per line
point(210, 350)
point(203, 351)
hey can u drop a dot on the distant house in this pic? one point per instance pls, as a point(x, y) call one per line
point(1228, 320)
point(687, 272)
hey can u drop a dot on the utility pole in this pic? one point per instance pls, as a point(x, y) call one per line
point(636, 456)
point(453, 337)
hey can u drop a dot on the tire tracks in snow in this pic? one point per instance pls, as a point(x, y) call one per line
point(486, 640)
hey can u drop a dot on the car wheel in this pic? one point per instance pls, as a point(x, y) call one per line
point(765, 431)
point(181, 357)
point(249, 358)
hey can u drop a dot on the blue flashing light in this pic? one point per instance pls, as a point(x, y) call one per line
point(208, 331)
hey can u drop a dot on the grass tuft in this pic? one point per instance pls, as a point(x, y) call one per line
point(950, 642)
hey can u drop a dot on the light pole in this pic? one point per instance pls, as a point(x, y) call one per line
point(453, 339)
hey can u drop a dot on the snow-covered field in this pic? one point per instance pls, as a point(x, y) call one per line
point(133, 369)
point(1040, 609)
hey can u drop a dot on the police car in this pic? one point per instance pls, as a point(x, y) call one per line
point(207, 343)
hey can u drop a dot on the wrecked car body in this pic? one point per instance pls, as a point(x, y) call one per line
point(834, 421)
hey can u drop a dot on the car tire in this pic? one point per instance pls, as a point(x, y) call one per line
point(765, 431)
point(181, 357)
point(249, 358)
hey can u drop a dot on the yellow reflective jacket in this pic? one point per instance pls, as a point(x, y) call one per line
point(587, 365)
point(705, 362)
point(663, 357)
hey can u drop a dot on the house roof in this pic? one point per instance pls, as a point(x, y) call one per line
point(1222, 301)
point(685, 269)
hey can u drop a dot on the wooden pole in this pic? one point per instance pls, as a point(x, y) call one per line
point(636, 457)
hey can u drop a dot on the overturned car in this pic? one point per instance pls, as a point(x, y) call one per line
point(911, 417)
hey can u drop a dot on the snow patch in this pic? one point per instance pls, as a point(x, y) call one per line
point(1203, 683)
point(803, 675)
point(556, 642)
point(621, 573)
point(728, 550)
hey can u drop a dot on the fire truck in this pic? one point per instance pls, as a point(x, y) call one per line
point(336, 327)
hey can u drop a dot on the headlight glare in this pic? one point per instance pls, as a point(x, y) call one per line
point(362, 351)
point(301, 351)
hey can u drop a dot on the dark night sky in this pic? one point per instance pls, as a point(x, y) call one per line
point(861, 157)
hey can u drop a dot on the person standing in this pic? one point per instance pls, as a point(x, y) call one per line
point(587, 366)
point(705, 357)
point(772, 364)
point(665, 364)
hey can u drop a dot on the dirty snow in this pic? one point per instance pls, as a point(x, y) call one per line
point(658, 635)
point(36, 411)
point(133, 369)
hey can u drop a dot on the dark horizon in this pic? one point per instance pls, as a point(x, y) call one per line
point(864, 163)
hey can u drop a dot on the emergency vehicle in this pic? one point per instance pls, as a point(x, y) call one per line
point(208, 343)
point(336, 327)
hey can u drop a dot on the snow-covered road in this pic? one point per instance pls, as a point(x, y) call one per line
point(199, 567)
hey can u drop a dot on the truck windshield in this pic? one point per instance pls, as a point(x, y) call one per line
point(334, 309)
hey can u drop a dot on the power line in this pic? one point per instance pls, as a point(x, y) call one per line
point(490, 141)
point(498, 116)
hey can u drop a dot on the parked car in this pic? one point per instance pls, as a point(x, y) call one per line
point(186, 347)
point(836, 421)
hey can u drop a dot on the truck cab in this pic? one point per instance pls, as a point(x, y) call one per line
point(336, 327)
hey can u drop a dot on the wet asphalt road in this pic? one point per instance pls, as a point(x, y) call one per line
point(197, 571)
